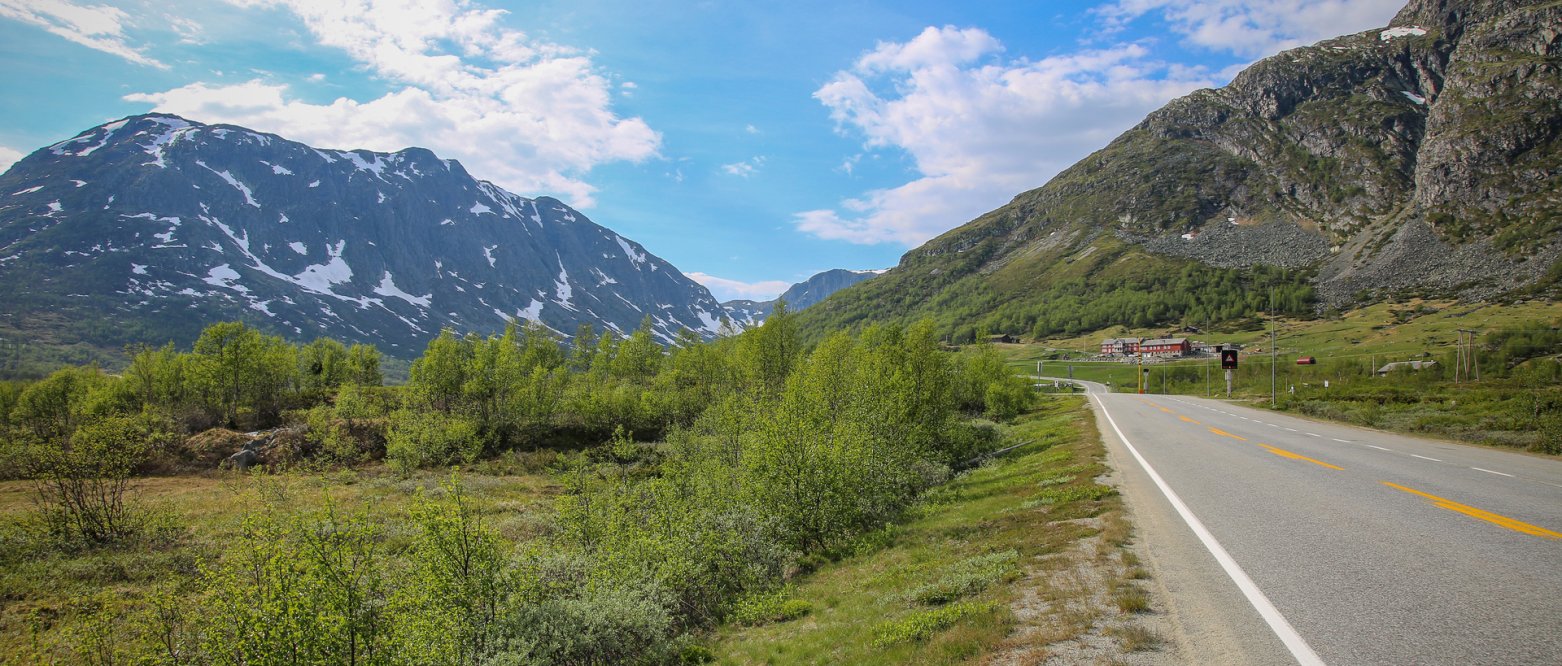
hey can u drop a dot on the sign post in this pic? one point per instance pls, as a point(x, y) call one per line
point(1228, 362)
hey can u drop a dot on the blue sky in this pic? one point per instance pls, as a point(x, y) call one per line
point(751, 144)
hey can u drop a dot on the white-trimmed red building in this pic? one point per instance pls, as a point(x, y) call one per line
point(1167, 347)
point(1111, 346)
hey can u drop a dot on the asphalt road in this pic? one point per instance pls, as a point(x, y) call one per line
point(1297, 541)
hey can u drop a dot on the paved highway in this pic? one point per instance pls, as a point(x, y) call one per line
point(1278, 539)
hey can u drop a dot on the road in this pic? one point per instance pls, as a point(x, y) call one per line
point(1278, 539)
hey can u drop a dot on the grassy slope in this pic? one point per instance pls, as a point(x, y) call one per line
point(1037, 508)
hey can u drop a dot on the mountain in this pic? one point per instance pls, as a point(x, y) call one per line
point(798, 296)
point(1420, 158)
point(147, 228)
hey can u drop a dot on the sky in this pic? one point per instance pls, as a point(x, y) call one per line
point(751, 144)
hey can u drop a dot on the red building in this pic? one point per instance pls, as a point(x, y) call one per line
point(1111, 346)
point(1167, 347)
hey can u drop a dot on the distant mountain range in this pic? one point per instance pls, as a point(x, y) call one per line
point(1418, 159)
point(745, 313)
point(145, 229)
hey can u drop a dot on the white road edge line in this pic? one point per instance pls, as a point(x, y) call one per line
point(1342, 441)
point(1313, 434)
point(1379, 448)
point(1424, 458)
point(1293, 641)
point(1491, 471)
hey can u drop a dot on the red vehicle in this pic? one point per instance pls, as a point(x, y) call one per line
point(1307, 360)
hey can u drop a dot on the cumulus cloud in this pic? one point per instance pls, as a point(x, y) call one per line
point(97, 27)
point(726, 290)
point(979, 128)
point(9, 156)
point(531, 116)
point(1256, 28)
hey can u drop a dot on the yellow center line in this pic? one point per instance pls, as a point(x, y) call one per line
point(1188, 420)
point(1495, 519)
point(1297, 456)
point(1223, 433)
point(1168, 411)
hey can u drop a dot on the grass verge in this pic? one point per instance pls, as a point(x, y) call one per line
point(1015, 561)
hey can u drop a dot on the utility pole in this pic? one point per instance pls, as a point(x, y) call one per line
point(1472, 369)
point(1272, 354)
point(1458, 354)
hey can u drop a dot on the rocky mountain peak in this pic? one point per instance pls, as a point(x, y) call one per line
point(145, 228)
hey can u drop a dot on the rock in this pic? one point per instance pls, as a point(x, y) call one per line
point(206, 449)
point(241, 461)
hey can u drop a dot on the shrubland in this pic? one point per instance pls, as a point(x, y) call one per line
point(677, 486)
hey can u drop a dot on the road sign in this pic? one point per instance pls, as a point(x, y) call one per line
point(1228, 359)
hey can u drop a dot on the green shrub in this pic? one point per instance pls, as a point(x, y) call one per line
point(967, 577)
point(415, 440)
point(601, 625)
point(760, 608)
point(923, 624)
point(82, 484)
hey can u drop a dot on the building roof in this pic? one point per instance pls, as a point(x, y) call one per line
point(1165, 341)
point(1113, 341)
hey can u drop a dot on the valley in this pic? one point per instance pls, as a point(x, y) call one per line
point(268, 402)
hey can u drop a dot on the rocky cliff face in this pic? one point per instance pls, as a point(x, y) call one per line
point(147, 228)
point(1422, 156)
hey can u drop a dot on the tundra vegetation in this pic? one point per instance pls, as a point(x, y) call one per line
point(615, 499)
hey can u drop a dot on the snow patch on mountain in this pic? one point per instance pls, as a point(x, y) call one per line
point(175, 129)
point(228, 177)
point(225, 277)
point(321, 277)
point(387, 287)
point(108, 133)
point(635, 258)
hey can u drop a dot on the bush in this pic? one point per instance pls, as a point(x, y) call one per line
point(923, 624)
point(770, 607)
point(415, 440)
point(83, 483)
point(967, 577)
point(602, 625)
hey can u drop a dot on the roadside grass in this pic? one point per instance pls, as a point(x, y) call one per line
point(47, 595)
point(993, 562)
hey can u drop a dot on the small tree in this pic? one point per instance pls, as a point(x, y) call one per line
point(82, 483)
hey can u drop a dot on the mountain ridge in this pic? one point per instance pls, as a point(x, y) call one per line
point(134, 225)
point(819, 286)
point(1419, 157)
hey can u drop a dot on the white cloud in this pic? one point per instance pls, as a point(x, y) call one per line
point(533, 117)
point(1257, 28)
point(96, 27)
point(725, 290)
point(978, 128)
point(746, 168)
point(9, 156)
point(317, 77)
point(751, 129)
